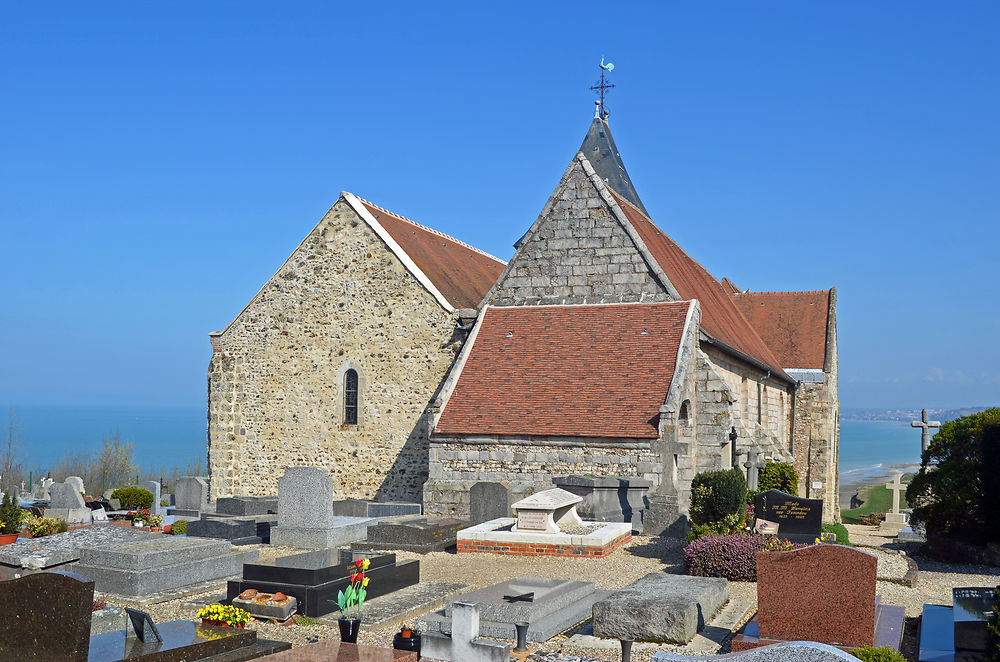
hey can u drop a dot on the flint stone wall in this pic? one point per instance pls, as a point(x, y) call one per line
point(342, 300)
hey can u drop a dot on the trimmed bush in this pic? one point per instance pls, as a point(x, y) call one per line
point(778, 476)
point(180, 527)
point(10, 515)
point(46, 526)
point(716, 494)
point(733, 557)
point(883, 654)
point(133, 497)
point(843, 538)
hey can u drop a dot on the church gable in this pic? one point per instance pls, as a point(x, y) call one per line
point(577, 252)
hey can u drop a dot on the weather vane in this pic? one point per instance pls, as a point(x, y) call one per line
point(602, 85)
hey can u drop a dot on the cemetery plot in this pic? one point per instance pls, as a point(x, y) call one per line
point(608, 498)
point(362, 508)
point(798, 519)
point(60, 548)
point(959, 632)
point(305, 512)
point(464, 644)
point(412, 533)
point(549, 606)
point(314, 578)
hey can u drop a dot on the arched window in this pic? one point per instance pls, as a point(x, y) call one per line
point(685, 413)
point(351, 397)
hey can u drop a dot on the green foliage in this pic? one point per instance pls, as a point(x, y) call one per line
point(883, 654)
point(10, 515)
point(843, 538)
point(778, 476)
point(876, 499)
point(179, 527)
point(716, 494)
point(958, 477)
point(302, 619)
point(729, 524)
point(46, 526)
point(133, 497)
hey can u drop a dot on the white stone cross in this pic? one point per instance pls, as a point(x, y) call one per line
point(752, 464)
point(465, 644)
point(896, 488)
point(925, 433)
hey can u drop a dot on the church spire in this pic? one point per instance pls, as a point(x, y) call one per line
point(599, 148)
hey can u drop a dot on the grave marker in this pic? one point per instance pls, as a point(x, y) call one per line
point(305, 512)
point(48, 619)
point(753, 466)
point(465, 644)
point(67, 503)
point(895, 520)
point(488, 501)
point(547, 511)
point(925, 426)
point(77, 483)
point(190, 494)
point(798, 519)
point(154, 487)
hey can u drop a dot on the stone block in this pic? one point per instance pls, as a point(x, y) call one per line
point(191, 493)
point(341, 531)
point(154, 487)
point(77, 484)
point(227, 529)
point(305, 499)
point(71, 515)
point(66, 496)
point(244, 505)
point(796, 651)
point(488, 501)
point(49, 617)
point(660, 608)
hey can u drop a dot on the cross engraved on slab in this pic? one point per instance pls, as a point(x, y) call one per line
point(925, 432)
point(523, 597)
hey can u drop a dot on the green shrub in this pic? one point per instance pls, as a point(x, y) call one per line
point(716, 494)
point(778, 476)
point(883, 654)
point(10, 515)
point(843, 538)
point(46, 526)
point(133, 497)
point(179, 528)
point(959, 475)
point(164, 502)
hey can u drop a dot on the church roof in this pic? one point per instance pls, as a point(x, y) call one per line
point(600, 370)
point(462, 273)
point(793, 324)
point(600, 150)
point(720, 318)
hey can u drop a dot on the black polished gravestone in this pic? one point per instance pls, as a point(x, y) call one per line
point(47, 617)
point(798, 519)
point(412, 533)
point(313, 578)
point(973, 607)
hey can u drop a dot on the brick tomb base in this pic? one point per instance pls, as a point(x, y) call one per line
point(495, 537)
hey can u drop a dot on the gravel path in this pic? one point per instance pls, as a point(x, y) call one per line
point(642, 556)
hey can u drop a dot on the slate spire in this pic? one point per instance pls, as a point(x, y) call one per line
point(599, 148)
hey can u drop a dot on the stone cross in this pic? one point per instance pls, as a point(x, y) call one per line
point(896, 488)
point(465, 644)
point(752, 464)
point(925, 433)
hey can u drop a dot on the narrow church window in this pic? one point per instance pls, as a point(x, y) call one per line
point(758, 402)
point(351, 397)
point(685, 413)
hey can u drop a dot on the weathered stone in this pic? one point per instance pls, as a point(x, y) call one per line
point(487, 501)
point(191, 493)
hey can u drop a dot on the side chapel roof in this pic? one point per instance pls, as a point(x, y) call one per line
point(793, 324)
point(599, 370)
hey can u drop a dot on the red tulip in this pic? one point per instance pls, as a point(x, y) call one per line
point(357, 564)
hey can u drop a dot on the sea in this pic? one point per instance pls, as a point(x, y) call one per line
point(166, 437)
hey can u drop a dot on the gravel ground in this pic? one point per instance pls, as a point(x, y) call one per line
point(642, 556)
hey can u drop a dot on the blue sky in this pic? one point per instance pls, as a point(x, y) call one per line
point(159, 161)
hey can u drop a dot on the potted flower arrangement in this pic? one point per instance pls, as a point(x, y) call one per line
point(225, 615)
point(139, 517)
point(353, 598)
point(154, 522)
point(10, 519)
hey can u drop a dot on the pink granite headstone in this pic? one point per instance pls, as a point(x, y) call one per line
point(822, 593)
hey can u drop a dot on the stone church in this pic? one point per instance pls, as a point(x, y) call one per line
point(413, 365)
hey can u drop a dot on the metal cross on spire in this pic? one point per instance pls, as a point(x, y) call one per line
point(601, 86)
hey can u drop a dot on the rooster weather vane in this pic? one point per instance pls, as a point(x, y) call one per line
point(602, 86)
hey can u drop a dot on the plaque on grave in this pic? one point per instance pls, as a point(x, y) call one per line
point(532, 520)
point(973, 606)
point(798, 519)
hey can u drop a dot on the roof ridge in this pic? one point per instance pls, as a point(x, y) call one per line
point(786, 293)
point(593, 305)
point(431, 230)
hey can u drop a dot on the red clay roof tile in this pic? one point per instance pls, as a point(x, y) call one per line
point(582, 371)
point(462, 273)
point(793, 324)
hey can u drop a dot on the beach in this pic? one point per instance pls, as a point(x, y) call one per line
point(852, 481)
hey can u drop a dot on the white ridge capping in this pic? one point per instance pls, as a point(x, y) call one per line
point(421, 277)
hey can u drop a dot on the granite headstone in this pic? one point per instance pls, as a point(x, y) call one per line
point(154, 487)
point(488, 501)
point(798, 519)
point(48, 617)
point(973, 606)
point(190, 493)
point(76, 482)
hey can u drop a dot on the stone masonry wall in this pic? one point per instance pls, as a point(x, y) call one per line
point(578, 253)
point(527, 466)
point(342, 300)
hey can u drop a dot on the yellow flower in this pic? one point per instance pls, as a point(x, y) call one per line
point(365, 581)
point(365, 564)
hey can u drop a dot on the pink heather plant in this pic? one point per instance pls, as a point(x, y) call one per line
point(733, 557)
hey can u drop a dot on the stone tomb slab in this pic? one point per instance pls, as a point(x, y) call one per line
point(973, 606)
point(412, 533)
point(48, 617)
point(151, 566)
point(488, 501)
point(184, 641)
point(362, 508)
point(660, 608)
point(547, 511)
point(798, 519)
point(554, 606)
point(246, 505)
point(608, 498)
point(334, 650)
point(796, 651)
point(314, 578)
point(594, 539)
point(60, 548)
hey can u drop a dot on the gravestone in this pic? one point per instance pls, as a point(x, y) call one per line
point(48, 617)
point(66, 503)
point(246, 505)
point(412, 533)
point(42, 490)
point(305, 512)
point(608, 498)
point(77, 483)
point(661, 608)
point(190, 496)
point(925, 426)
point(364, 508)
point(895, 521)
point(796, 651)
point(464, 644)
point(973, 606)
point(154, 487)
point(488, 501)
point(798, 519)
point(753, 466)
point(823, 593)
point(547, 511)
point(60, 548)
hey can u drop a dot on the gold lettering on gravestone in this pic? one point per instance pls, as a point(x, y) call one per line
point(531, 519)
point(790, 510)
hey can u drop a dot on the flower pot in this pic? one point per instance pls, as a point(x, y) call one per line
point(349, 628)
point(8, 538)
point(407, 640)
point(156, 529)
point(208, 621)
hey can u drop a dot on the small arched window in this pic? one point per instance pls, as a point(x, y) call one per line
point(685, 413)
point(351, 397)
